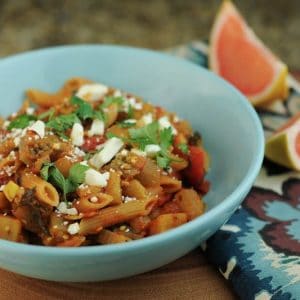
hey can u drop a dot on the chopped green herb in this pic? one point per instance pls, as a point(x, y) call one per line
point(184, 148)
point(166, 138)
point(130, 112)
point(163, 161)
point(112, 100)
point(61, 123)
point(84, 110)
point(21, 122)
point(47, 114)
point(77, 173)
point(52, 174)
point(145, 135)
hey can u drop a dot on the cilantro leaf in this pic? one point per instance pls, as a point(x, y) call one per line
point(47, 114)
point(184, 148)
point(130, 112)
point(63, 122)
point(21, 122)
point(84, 110)
point(112, 100)
point(77, 173)
point(51, 173)
point(163, 161)
point(145, 135)
point(166, 138)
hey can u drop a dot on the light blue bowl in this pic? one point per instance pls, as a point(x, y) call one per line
point(230, 128)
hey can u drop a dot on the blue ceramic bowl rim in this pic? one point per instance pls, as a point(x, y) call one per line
point(229, 201)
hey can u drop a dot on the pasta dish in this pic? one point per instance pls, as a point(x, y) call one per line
point(92, 165)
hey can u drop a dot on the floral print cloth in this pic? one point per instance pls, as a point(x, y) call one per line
point(258, 250)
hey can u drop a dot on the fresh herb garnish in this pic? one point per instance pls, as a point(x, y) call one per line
point(151, 134)
point(130, 112)
point(51, 173)
point(85, 110)
point(184, 148)
point(61, 123)
point(21, 122)
point(112, 100)
point(145, 136)
point(77, 173)
point(47, 114)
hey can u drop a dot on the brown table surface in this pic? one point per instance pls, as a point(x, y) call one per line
point(190, 277)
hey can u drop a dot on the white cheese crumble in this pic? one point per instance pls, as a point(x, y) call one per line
point(38, 127)
point(94, 199)
point(128, 199)
point(95, 178)
point(63, 209)
point(165, 123)
point(97, 128)
point(133, 103)
point(6, 123)
point(92, 92)
point(147, 119)
point(30, 111)
point(77, 134)
point(110, 149)
point(152, 149)
point(117, 93)
point(78, 152)
point(124, 152)
point(138, 152)
point(84, 163)
point(130, 121)
point(73, 228)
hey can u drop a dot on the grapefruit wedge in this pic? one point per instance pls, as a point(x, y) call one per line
point(284, 146)
point(238, 56)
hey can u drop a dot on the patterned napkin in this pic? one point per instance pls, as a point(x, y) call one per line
point(258, 250)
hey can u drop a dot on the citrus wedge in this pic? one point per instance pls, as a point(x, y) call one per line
point(284, 146)
point(241, 58)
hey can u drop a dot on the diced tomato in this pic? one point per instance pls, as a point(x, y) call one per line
point(204, 187)
point(195, 172)
point(90, 143)
point(159, 112)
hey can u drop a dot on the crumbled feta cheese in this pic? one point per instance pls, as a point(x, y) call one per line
point(65, 223)
point(73, 228)
point(94, 199)
point(138, 152)
point(124, 152)
point(17, 141)
point(2, 187)
point(84, 163)
point(147, 119)
point(38, 127)
point(63, 209)
point(77, 134)
point(165, 123)
point(136, 105)
point(6, 124)
point(30, 111)
point(97, 128)
point(128, 199)
point(92, 92)
point(78, 152)
point(152, 149)
point(117, 93)
point(93, 177)
point(130, 121)
point(110, 149)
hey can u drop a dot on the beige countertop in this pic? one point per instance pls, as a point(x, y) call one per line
point(156, 24)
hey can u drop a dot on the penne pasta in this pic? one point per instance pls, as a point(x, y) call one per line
point(170, 184)
point(45, 191)
point(90, 164)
